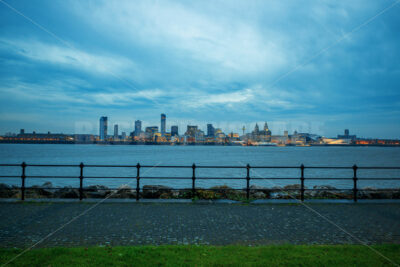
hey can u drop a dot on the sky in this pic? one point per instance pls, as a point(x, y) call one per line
point(310, 66)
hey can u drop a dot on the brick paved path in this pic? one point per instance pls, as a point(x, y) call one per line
point(21, 225)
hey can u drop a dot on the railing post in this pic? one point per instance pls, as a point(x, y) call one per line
point(355, 182)
point(137, 181)
point(193, 180)
point(248, 182)
point(81, 181)
point(302, 182)
point(23, 176)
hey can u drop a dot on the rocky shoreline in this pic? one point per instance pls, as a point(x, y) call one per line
point(218, 192)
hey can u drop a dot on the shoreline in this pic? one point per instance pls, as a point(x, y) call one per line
point(184, 144)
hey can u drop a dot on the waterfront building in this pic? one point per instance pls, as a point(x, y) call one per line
point(347, 135)
point(103, 128)
point(210, 130)
point(123, 136)
point(115, 131)
point(174, 130)
point(138, 128)
point(84, 138)
point(191, 130)
point(163, 121)
point(151, 132)
point(261, 135)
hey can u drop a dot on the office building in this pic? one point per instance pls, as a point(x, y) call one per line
point(138, 127)
point(174, 130)
point(116, 132)
point(151, 131)
point(210, 130)
point(163, 120)
point(103, 128)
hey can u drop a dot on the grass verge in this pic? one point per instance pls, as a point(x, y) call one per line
point(274, 255)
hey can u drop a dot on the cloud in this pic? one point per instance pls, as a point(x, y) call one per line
point(224, 44)
point(124, 98)
point(62, 56)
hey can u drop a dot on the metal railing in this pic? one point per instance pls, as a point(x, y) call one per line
point(194, 178)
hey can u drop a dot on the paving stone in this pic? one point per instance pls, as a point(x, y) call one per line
point(22, 225)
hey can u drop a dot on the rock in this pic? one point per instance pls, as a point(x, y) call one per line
point(5, 191)
point(207, 194)
point(96, 191)
point(165, 195)
point(292, 186)
point(175, 193)
point(67, 192)
point(280, 195)
point(155, 191)
point(324, 187)
point(124, 192)
point(260, 195)
point(257, 188)
point(94, 188)
point(45, 191)
point(374, 193)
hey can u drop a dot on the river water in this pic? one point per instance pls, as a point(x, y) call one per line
point(202, 156)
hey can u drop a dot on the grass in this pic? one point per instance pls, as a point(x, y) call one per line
point(275, 255)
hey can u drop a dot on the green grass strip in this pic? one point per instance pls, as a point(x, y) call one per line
point(274, 255)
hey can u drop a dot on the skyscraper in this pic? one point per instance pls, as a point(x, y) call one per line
point(210, 130)
point(138, 127)
point(174, 130)
point(163, 119)
point(115, 131)
point(103, 128)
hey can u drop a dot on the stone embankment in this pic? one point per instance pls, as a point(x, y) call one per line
point(47, 190)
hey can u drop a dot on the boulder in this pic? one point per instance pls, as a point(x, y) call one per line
point(44, 190)
point(292, 187)
point(155, 191)
point(259, 195)
point(5, 191)
point(96, 191)
point(67, 192)
point(124, 192)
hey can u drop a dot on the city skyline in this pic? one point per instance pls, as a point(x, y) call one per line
point(324, 66)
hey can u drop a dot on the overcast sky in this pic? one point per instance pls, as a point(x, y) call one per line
point(319, 66)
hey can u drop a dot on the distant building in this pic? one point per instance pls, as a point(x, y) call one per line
point(151, 131)
point(174, 130)
point(116, 132)
point(138, 127)
point(210, 130)
point(163, 121)
point(261, 136)
point(191, 130)
point(123, 136)
point(347, 135)
point(84, 138)
point(103, 128)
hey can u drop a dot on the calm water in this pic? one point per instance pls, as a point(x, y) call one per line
point(201, 155)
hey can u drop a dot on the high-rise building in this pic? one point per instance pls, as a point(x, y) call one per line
point(115, 131)
point(163, 119)
point(151, 131)
point(123, 136)
point(138, 127)
point(174, 130)
point(346, 132)
point(103, 128)
point(210, 130)
point(191, 130)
